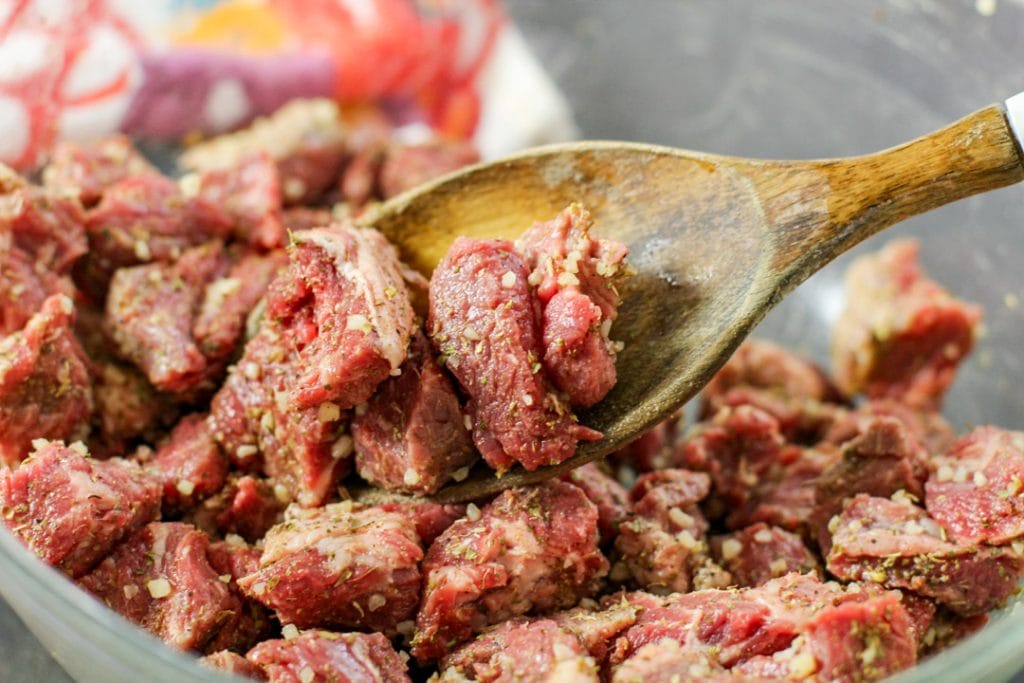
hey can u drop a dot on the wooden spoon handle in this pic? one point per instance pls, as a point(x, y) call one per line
point(822, 208)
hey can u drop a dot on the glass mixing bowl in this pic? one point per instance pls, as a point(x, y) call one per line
point(776, 78)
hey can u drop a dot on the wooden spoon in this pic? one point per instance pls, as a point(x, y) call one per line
point(715, 241)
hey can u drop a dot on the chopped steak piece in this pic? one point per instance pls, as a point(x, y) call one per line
point(927, 427)
point(406, 166)
point(160, 579)
point(759, 553)
point(149, 316)
point(247, 506)
point(666, 661)
point(610, 497)
point(344, 305)
point(653, 450)
point(975, 490)
point(234, 557)
point(596, 630)
point(45, 226)
point(87, 170)
point(340, 565)
point(232, 663)
point(127, 405)
point(219, 324)
point(804, 421)
point(71, 510)
point(232, 560)
point(325, 657)
point(412, 436)
point(24, 288)
point(902, 335)
point(898, 545)
point(299, 218)
point(576, 277)
point(45, 391)
point(429, 518)
point(882, 460)
point(483, 320)
point(190, 465)
point(531, 550)
point(526, 652)
point(250, 193)
point(948, 629)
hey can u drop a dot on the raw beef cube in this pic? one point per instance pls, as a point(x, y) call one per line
point(406, 166)
point(71, 510)
point(127, 405)
point(759, 553)
point(930, 429)
point(149, 316)
point(610, 497)
point(653, 450)
point(359, 182)
point(250, 193)
point(234, 558)
point(246, 506)
point(45, 226)
point(975, 490)
point(340, 565)
point(190, 465)
point(526, 652)
point(344, 306)
point(902, 335)
point(89, 169)
point(147, 218)
point(45, 391)
point(249, 625)
point(898, 545)
point(803, 421)
point(298, 218)
point(483, 320)
point(23, 289)
point(219, 324)
point(667, 661)
point(232, 663)
point(882, 460)
point(326, 657)
point(412, 436)
point(429, 518)
point(160, 578)
point(531, 550)
point(576, 277)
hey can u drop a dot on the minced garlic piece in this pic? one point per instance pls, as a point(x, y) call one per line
point(472, 512)
point(289, 631)
point(159, 588)
point(731, 548)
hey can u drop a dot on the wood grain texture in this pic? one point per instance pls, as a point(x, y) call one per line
point(715, 241)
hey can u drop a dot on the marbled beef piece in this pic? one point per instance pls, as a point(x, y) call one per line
point(898, 545)
point(189, 464)
point(975, 490)
point(412, 435)
point(250, 193)
point(326, 657)
point(128, 407)
point(23, 289)
point(87, 170)
point(429, 518)
point(149, 316)
point(576, 278)
point(929, 428)
point(531, 550)
point(343, 304)
point(297, 218)
point(147, 218)
point(597, 629)
point(406, 166)
point(882, 460)
point(160, 578)
point(663, 548)
point(219, 324)
point(522, 651)
point(46, 226)
point(341, 565)
point(484, 321)
point(71, 510)
point(902, 335)
point(45, 391)
point(653, 450)
point(610, 497)
point(759, 553)
point(247, 506)
point(233, 559)
point(232, 663)
point(802, 421)
point(666, 661)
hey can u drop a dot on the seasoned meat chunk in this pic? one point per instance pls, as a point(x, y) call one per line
point(412, 436)
point(654, 449)
point(666, 661)
point(576, 277)
point(23, 288)
point(406, 166)
point(45, 226)
point(160, 578)
point(759, 553)
point(247, 506)
point(610, 497)
point(483, 320)
point(189, 465)
point(250, 193)
point(902, 335)
point(930, 429)
point(232, 663)
point(975, 490)
point(597, 629)
point(89, 169)
point(326, 657)
point(531, 550)
point(527, 652)
point(898, 545)
point(429, 518)
point(45, 391)
point(127, 405)
point(71, 510)
point(339, 565)
point(233, 559)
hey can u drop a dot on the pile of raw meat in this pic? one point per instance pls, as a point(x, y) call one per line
point(193, 372)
